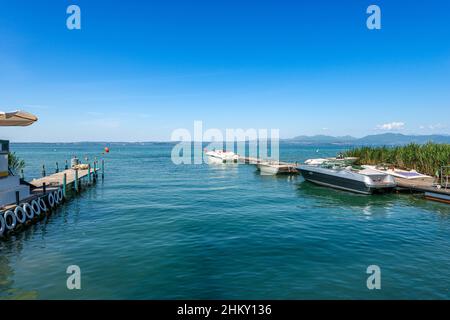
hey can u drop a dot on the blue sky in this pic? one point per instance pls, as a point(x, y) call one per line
point(138, 70)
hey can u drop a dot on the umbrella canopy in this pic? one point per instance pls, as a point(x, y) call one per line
point(16, 118)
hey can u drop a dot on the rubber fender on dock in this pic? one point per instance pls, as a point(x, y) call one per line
point(2, 225)
point(42, 205)
point(51, 200)
point(36, 207)
point(60, 195)
point(55, 196)
point(28, 211)
point(10, 220)
point(20, 214)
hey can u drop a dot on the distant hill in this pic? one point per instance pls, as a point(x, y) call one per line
point(323, 139)
point(376, 139)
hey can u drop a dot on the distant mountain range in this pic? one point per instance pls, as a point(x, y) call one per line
point(376, 139)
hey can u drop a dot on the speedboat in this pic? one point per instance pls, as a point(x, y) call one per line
point(276, 167)
point(400, 173)
point(339, 175)
point(221, 156)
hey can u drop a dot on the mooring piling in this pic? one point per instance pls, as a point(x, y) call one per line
point(65, 185)
point(17, 198)
point(57, 167)
point(95, 171)
point(43, 170)
point(66, 166)
point(44, 188)
point(103, 169)
point(76, 180)
point(89, 173)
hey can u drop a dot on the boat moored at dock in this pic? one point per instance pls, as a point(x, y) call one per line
point(400, 173)
point(338, 175)
point(276, 167)
point(221, 156)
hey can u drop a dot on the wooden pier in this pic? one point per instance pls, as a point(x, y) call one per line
point(46, 194)
point(252, 160)
point(54, 182)
point(249, 160)
point(431, 190)
point(57, 179)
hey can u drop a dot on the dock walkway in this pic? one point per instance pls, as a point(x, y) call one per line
point(57, 179)
point(252, 160)
point(425, 186)
point(52, 182)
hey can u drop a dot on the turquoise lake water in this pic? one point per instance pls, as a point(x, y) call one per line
point(154, 230)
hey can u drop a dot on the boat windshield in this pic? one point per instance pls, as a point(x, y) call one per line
point(340, 165)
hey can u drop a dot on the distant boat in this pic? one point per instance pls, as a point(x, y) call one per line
point(221, 156)
point(340, 175)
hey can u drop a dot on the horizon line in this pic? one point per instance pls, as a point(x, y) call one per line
point(281, 139)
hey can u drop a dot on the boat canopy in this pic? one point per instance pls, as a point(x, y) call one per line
point(16, 118)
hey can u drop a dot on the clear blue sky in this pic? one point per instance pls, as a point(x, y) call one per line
point(138, 70)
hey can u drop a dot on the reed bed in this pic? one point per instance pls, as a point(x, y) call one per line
point(425, 158)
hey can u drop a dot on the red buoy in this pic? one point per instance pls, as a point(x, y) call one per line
point(106, 149)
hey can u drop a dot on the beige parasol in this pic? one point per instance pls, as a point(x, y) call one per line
point(16, 118)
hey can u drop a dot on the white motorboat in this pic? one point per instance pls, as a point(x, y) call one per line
point(399, 173)
point(276, 167)
point(346, 177)
point(221, 156)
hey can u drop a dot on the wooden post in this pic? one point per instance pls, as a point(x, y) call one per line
point(65, 185)
point(17, 198)
point(66, 166)
point(22, 176)
point(43, 170)
point(95, 171)
point(57, 167)
point(103, 169)
point(44, 188)
point(76, 180)
point(89, 173)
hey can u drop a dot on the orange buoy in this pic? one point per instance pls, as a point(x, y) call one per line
point(106, 149)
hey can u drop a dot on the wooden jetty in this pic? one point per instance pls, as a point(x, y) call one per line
point(46, 194)
point(57, 179)
point(253, 160)
point(249, 160)
point(431, 190)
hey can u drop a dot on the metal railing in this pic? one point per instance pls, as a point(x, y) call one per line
point(445, 177)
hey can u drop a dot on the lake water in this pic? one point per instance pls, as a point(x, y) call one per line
point(154, 230)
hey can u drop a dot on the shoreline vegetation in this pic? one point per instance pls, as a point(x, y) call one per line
point(425, 158)
point(15, 164)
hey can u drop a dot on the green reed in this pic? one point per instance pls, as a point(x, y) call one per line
point(425, 158)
